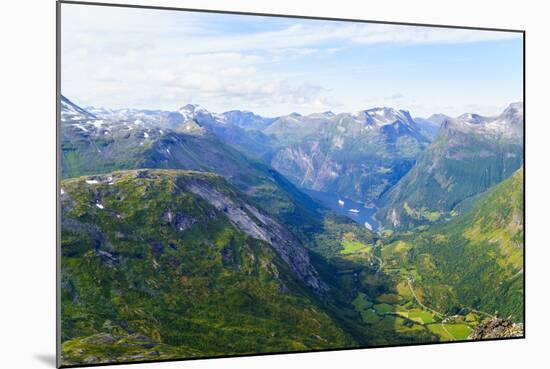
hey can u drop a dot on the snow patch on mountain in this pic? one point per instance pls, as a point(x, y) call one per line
point(508, 124)
point(73, 112)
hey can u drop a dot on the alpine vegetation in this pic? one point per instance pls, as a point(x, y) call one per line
point(237, 185)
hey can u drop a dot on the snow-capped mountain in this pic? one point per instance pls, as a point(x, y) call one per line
point(357, 155)
point(471, 118)
point(104, 125)
point(470, 154)
point(189, 119)
point(156, 118)
point(73, 112)
point(383, 116)
point(194, 111)
point(508, 124)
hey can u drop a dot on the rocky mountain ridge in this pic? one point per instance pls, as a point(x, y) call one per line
point(469, 155)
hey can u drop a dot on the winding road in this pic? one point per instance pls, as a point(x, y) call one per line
point(442, 316)
point(409, 283)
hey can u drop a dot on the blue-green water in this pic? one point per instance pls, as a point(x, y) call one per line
point(331, 201)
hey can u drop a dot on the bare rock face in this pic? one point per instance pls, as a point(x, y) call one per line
point(256, 224)
point(497, 328)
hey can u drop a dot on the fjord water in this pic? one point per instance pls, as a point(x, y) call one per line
point(182, 244)
point(334, 202)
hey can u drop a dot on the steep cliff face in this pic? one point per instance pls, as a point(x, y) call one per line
point(470, 154)
point(357, 155)
point(160, 264)
point(259, 225)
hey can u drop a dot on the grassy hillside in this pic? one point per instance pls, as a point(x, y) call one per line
point(439, 284)
point(477, 259)
point(151, 270)
point(454, 168)
point(474, 261)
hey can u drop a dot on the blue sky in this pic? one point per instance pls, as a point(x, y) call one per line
point(137, 58)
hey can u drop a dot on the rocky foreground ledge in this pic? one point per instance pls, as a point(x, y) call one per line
point(497, 328)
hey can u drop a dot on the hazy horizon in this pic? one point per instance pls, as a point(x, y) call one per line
point(336, 112)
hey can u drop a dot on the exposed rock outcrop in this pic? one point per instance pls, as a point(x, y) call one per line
point(497, 328)
point(259, 225)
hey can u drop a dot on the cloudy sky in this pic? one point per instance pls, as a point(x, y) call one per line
point(123, 57)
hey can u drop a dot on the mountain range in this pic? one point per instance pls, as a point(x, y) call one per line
point(469, 155)
point(360, 156)
point(189, 233)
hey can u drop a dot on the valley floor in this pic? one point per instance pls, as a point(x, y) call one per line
point(401, 315)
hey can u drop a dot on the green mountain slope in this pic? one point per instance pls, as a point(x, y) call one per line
point(89, 147)
point(470, 155)
point(480, 256)
point(175, 244)
point(474, 261)
point(440, 284)
point(161, 264)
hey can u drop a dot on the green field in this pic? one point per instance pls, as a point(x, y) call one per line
point(351, 247)
point(384, 308)
point(396, 312)
point(459, 331)
point(421, 316)
point(450, 332)
point(370, 316)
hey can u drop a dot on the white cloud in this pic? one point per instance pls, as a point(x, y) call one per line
point(305, 37)
point(377, 33)
point(239, 80)
point(141, 58)
point(215, 80)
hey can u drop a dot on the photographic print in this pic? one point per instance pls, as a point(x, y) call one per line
point(235, 184)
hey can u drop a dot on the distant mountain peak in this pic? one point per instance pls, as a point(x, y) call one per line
point(384, 109)
point(516, 105)
point(73, 112)
point(472, 118)
point(194, 108)
point(513, 110)
point(437, 119)
point(237, 111)
point(190, 111)
point(508, 124)
point(381, 116)
point(245, 119)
